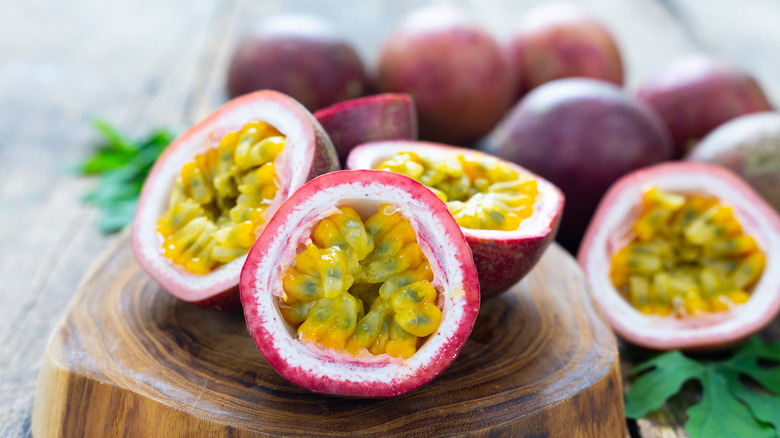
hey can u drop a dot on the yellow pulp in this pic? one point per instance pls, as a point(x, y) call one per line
point(690, 256)
point(481, 193)
point(216, 205)
point(362, 286)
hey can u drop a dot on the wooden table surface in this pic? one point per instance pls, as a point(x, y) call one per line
point(146, 63)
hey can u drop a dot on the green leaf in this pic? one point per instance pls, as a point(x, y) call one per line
point(719, 414)
point(764, 407)
point(121, 166)
point(651, 390)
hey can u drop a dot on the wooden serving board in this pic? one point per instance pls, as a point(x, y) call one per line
point(129, 360)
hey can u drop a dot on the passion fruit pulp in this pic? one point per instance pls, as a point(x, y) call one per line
point(361, 285)
point(216, 186)
point(508, 215)
point(675, 256)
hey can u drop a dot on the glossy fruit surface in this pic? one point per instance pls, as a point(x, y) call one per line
point(455, 71)
point(508, 215)
point(215, 187)
point(301, 56)
point(581, 135)
point(750, 146)
point(561, 40)
point(386, 116)
point(697, 93)
point(361, 285)
point(732, 235)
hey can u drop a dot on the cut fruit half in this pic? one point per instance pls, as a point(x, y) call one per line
point(508, 215)
point(214, 189)
point(676, 257)
point(361, 285)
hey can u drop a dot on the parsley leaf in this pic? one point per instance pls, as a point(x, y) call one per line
point(121, 166)
point(728, 407)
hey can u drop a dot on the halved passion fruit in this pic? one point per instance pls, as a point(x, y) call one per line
point(508, 215)
point(214, 189)
point(678, 254)
point(361, 285)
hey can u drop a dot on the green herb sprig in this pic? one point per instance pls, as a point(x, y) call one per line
point(728, 408)
point(122, 166)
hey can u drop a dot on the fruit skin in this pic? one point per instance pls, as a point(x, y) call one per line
point(616, 213)
point(502, 258)
point(301, 56)
point(456, 72)
point(327, 371)
point(560, 40)
point(694, 94)
point(382, 117)
point(750, 146)
point(314, 155)
point(581, 135)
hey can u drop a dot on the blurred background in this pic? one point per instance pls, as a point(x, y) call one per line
point(140, 64)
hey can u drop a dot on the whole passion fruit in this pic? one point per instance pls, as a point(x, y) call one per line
point(561, 40)
point(382, 117)
point(582, 135)
point(750, 146)
point(508, 215)
point(361, 285)
point(301, 56)
point(695, 94)
point(456, 72)
point(678, 256)
point(215, 188)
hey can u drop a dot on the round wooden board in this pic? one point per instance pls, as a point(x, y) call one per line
point(128, 359)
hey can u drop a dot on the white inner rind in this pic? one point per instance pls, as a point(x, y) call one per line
point(545, 205)
point(293, 162)
point(656, 329)
point(295, 232)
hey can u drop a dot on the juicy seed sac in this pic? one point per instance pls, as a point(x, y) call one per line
point(689, 257)
point(216, 206)
point(362, 286)
point(481, 193)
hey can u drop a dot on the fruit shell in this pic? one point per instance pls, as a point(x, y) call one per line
point(314, 155)
point(327, 371)
point(502, 258)
point(750, 147)
point(386, 116)
point(620, 208)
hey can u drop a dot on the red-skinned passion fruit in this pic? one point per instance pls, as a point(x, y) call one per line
point(456, 72)
point(561, 40)
point(361, 285)
point(302, 56)
point(386, 116)
point(215, 187)
point(508, 215)
point(676, 257)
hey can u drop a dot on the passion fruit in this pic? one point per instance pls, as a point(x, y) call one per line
point(302, 56)
point(456, 72)
point(678, 257)
point(750, 146)
point(695, 94)
point(361, 285)
point(382, 117)
point(214, 189)
point(582, 135)
point(508, 215)
point(561, 40)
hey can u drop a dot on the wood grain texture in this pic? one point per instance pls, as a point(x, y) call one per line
point(130, 359)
